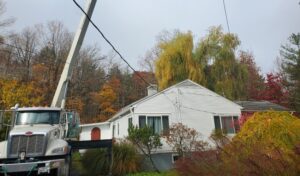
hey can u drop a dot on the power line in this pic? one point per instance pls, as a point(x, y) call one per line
point(226, 16)
point(113, 47)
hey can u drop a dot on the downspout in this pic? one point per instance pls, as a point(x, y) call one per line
point(131, 109)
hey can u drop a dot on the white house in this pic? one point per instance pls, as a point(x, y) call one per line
point(186, 102)
point(95, 131)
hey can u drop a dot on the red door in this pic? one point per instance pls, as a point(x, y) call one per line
point(96, 134)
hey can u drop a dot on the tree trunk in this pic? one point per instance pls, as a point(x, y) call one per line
point(153, 164)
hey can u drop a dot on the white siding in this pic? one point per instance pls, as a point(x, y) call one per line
point(121, 127)
point(86, 131)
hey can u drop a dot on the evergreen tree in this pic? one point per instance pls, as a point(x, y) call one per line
point(290, 56)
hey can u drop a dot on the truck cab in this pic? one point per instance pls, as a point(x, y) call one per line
point(37, 140)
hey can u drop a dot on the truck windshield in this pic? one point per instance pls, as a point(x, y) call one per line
point(37, 117)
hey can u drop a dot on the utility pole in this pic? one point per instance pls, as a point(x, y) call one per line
point(60, 95)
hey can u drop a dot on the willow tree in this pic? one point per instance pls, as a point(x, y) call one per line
point(175, 61)
point(224, 73)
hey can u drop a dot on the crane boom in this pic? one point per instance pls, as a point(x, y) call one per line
point(61, 90)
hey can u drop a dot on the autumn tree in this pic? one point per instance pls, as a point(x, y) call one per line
point(5, 51)
point(224, 74)
point(274, 90)
point(212, 63)
point(265, 146)
point(184, 140)
point(13, 92)
point(147, 62)
point(5, 22)
point(87, 79)
point(255, 82)
point(24, 51)
point(140, 86)
point(175, 61)
point(106, 98)
point(290, 57)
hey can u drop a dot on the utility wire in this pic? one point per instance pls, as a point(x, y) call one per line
point(113, 47)
point(226, 16)
point(96, 27)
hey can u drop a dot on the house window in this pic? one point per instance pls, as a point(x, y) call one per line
point(217, 123)
point(142, 121)
point(175, 157)
point(165, 122)
point(154, 122)
point(129, 122)
point(159, 124)
point(228, 124)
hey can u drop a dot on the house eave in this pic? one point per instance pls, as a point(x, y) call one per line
point(94, 124)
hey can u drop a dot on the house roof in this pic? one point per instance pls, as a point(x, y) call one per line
point(94, 124)
point(260, 106)
point(185, 83)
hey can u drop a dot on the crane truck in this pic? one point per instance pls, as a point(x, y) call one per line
point(38, 138)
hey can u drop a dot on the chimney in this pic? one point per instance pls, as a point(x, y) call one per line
point(152, 89)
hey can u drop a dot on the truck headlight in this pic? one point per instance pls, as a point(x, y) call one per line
point(60, 150)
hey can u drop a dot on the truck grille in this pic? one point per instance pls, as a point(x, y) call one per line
point(33, 145)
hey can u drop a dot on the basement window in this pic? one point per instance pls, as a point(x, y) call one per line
point(175, 157)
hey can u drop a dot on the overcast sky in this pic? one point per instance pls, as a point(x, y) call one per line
point(132, 25)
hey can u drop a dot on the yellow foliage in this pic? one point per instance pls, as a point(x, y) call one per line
point(75, 103)
point(13, 92)
point(280, 127)
point(265, 146)
point(176, 63)
point(106, 98)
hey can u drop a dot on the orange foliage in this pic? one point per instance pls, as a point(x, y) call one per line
point(106, 98)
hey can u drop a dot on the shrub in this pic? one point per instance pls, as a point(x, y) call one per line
point(265, 146)
point(145, 140)
point(199, 163)
point(268, 144)
point(125, 160)
point(184, 140)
